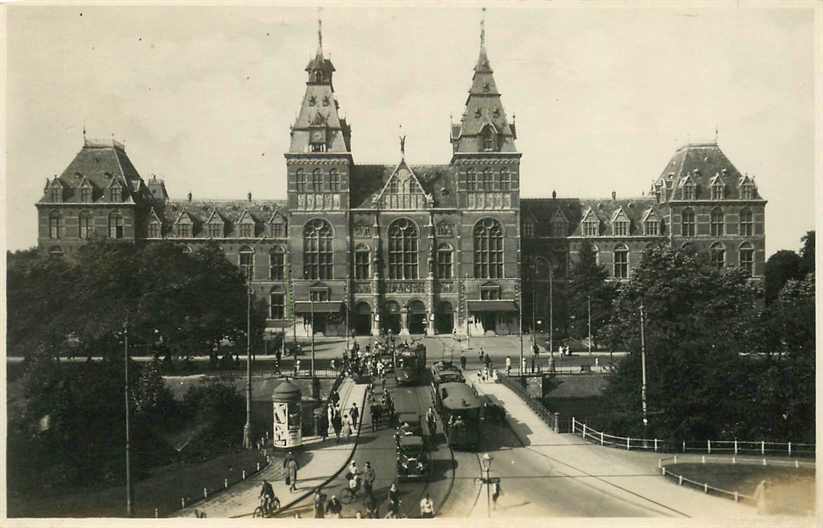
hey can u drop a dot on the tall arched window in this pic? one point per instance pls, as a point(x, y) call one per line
point(300, 180)
point(746, 223)
point(317, 250)
point(444, 261)
point(116, 226)
point(247, 261)
point(277, 263)
point(85, 229)
point(316, 180)
point(717, 222)
point(621, 262)
point(361, 262)
point(488, 249)
point(747, 258)
point(403, 250)
point(54, 226)
point(334, 180)
point(688, 222)
point(717, 254)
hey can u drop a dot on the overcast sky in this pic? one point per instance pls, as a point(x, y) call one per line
point(203, 97)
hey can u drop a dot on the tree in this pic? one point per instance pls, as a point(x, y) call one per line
point(781, 267)
point(698, 320)
point(807, 254)
point(587, 285)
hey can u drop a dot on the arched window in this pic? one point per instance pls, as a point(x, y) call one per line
point(317, 250)
point(746, 223)
point(505, 180)
point(247, 262)
point(316, 180)
point(717, 222)
point(361, 262)
point(621, 262)
point(300, 180)
point(85, 228)
point(688, 222)
point(717, 254)
point(116, 226)
point(717, 190)
point(85, 194)
point(596, 251)
point(334, 180)
point(489, 139)
point(747, 258)
point(402, 250)
point(277, 263)
point(444, 261)
point(488, 180)
point(54, 226)
point(488, 249)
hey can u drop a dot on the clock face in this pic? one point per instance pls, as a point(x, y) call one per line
point(318, 136)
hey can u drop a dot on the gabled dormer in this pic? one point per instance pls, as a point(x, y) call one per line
point(590, 224)
point(55, 192)
point(86, 191)
point(718, 187)
point(185, 225)
point(748, 189)
point(278, 225)
point(688, 188)
point(115, 191)
point(621, 223)
point(651, 223)
point(246, 225)
point(216, 224)
point(154, 225)
point(403, 190)
point(559, 224)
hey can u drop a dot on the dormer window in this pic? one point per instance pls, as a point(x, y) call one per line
point(747, 191)
point(116, 193)
point(652, 227)
point(689, 191)
point(489, 140)
point(559, 228)
point(528, 229)
point(318, 76)
point(620, 228)
point(590, 227)
point(278, 228)
point(215, 230)
point(246, 230)
point(717, 190)
point(55, 193)
point(312, 100)
point(154, 230)
point(85, 194)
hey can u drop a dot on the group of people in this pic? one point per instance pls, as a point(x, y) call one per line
point(337, 418)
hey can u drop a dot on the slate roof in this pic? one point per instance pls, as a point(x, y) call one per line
point(701, 163)
point(229, 210)
point(102, 163)
point(368, 181)
point(540, 212)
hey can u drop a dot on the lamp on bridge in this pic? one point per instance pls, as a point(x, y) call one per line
point(486, 466)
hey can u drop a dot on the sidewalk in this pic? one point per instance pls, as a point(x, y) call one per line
point(625, 473)
point(317, 461)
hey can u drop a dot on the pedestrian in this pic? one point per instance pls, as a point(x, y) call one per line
point(350, 425)
point(375, 411)
point(481, 353)
point(462, 361)
point(426, 507)
point(355, 415)
point(532, 364)
point(508, 365)
point(431, 420)
point(296, 368)
point(369, 476)
point(334, 507)
point(372, 507)
point(337, 424)
point(333, 366)
point(319, 505)
point(290, 465)
point(353, 470)
point(394, 501)
point(496, 493)
point(323, 425)
point(488, 361)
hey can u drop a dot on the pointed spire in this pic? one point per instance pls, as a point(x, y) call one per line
point(320, 31)
point(483, 28)
point(402, 142)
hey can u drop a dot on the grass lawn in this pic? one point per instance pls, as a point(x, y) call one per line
point(162, 490)
point(790, 490)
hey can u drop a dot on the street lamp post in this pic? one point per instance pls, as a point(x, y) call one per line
point(520, 314)
point(589, 307)
point(247, 431)
point(468, 317)
point(643, 365)
point(129, 511)
point(486, 466)
point(551, 312)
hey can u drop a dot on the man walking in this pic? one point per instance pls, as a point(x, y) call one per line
point(508, 365)
point(369, 477)
point(427, 507)
point(431, 421)
point(355, 416)
point(462, 361)
point(319, 505)
point(290, 466)
point(337, 424)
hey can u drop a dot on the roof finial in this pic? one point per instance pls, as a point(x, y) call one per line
point(716, 134)
point(483, 28)
point(402, 142)
point(319, 31)
point(84, 132)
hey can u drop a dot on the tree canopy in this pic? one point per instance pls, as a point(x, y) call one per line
point(588, 287)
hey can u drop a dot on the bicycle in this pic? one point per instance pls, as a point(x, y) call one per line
point(349, 494)
point(266, 508)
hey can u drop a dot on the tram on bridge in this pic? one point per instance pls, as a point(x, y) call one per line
point(460, 407)
point(411, 365)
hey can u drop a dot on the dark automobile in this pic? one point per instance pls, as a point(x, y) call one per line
point(491, 412)
point(412, 459)
point(293, 349)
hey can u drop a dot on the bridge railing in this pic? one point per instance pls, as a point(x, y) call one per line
point(735, 447)
point(552, 419)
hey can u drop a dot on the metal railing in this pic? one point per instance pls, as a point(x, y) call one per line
point(735, 447)
point(664, 464)
point(549, 418)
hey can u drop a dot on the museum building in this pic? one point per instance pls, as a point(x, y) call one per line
point(406, 248)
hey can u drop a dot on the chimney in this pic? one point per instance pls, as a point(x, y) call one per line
point(554, 194)
point(249, 195)
point(189, 197)
point(614, 195)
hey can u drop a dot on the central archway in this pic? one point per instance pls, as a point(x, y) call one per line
point(417, 317)
point(444, 318)
point(391, 317)
point(362, 319)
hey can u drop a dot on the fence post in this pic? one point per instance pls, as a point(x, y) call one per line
point(628, 443)
point(557, 422)
point(680, 480)
point(244, 474)
point(663, 470)
point(735, 446)
point(601, 438)
point(156, 513)
point(573, 428)
point(205, 493)
point(703, 459)
point(659, 463)
point(705, 488)
point(684, 446)
point(675, 459)
point(225, 483)
point(762, 448)
point(734, 460)
point(655, 445)
point(764, 461)
point(182, 502)
point(736, 496)
point(709, 446)
point(796, 464)
point(790, 449)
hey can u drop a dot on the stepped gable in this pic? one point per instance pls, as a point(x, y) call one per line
point(436, 180)
point(701, 162)
point(100, 163)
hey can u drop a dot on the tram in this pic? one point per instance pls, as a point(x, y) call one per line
point(460, 408)
point(446, 372)
point(411, 364)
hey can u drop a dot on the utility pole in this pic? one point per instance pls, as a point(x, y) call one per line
point(311, 305)
point(247, 432)
point(589, 307)
point(520, 313)
point(468, 318)
point(129, 510)
point(551, 311)
point(643, 364)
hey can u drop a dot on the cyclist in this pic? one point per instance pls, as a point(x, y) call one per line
point(266, 497)
point(354, 486)
point(334, 507)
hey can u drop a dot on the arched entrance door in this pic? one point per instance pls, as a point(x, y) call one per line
point(417, 317)
point(444, 318)
point(362, 319)
point(391, 317)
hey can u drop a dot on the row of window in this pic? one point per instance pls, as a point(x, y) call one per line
point(717, 191)
point(55, 194)
point(717, 224)
point(488, 180)
point(155, 230)
point(316, 181)
point(85, 226)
